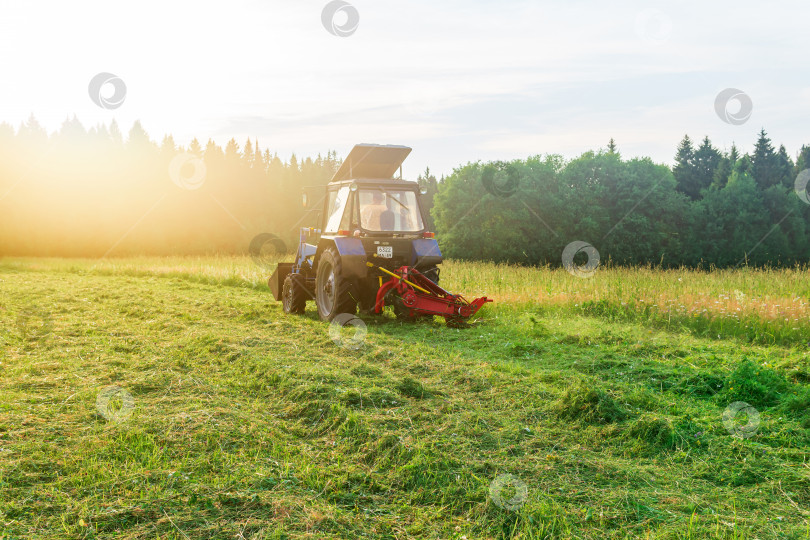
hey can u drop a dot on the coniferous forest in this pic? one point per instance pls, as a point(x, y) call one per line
point(100, 192)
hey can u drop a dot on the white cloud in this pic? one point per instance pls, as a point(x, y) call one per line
point(458, 81)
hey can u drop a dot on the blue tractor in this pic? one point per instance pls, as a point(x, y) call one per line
point(372, 248)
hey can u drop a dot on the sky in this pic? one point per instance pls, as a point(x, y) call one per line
point(458, 81)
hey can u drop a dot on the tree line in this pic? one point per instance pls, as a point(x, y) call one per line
point(713, 208)
point(96, 192)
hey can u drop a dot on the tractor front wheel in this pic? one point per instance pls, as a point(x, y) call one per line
point(332, 289)
point(293, 296)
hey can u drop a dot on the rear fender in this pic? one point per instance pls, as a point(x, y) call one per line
point(352, 255)
point(425, 253)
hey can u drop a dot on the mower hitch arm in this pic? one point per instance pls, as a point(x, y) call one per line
point(421, 296)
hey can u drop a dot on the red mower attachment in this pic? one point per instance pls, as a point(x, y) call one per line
point(418, 295)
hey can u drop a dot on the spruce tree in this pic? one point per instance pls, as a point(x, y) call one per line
point(723, 171)
point(734, 155)
point(213, 153)
point(232, 152)
point(138, 139)
point(706, 162)
point(168, 148)
point(247, 153)
point(684, 170)
point(258, 160)
point(194, 147)
point(763, 163)
point(803, 160)
point(784, 166)
point(115, 134)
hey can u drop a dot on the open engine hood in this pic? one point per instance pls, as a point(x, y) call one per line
point(372, 161)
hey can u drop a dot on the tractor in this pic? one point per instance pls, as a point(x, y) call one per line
point(372, 248)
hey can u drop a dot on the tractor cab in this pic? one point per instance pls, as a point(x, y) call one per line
point(365, 199)
point(372, 228)
point(373, 209)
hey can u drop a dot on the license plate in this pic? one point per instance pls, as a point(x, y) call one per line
point(385, 252)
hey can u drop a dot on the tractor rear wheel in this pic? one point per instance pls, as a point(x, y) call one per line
point(332, 289)
point(293, 296)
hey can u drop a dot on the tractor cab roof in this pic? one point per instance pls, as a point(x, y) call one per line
point(372, 164)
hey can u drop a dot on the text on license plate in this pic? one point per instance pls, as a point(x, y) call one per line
point(386, 252)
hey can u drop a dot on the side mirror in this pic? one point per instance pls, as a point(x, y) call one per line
point(304, 200)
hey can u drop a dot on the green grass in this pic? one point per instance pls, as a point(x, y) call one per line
point(251, 424)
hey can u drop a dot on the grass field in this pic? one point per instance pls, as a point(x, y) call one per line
point(573, 408)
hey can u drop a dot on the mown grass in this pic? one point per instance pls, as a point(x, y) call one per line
point(251, 424)
point(766, 306)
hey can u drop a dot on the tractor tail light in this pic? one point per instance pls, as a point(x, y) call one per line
point(429, 235)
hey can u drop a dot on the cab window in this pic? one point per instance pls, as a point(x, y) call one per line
point(389, 210)
point(335, 206)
